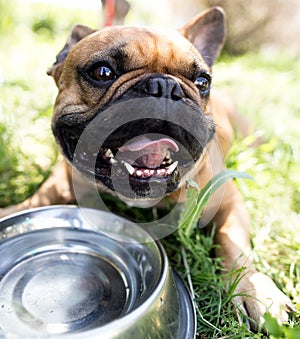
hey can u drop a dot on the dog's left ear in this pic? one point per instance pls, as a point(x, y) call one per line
point(78, 32)
point(207, 33)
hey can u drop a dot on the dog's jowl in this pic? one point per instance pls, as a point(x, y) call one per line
point(135, 115)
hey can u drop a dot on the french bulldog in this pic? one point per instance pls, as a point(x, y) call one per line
point(155, 121)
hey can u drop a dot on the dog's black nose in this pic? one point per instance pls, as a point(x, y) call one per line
point(164, 87)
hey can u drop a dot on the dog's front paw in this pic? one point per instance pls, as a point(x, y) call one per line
point(258, 294)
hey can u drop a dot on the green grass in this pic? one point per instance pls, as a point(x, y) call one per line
point(265, 88)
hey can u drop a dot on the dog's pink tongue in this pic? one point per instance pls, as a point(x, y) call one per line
point(147, 153)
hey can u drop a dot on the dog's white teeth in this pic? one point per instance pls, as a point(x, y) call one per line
point(147, 173)
point(129, 168)
point(170, 169)
point(138, 173)
point(109, 153)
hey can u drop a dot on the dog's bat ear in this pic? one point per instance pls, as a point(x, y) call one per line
point(78, 32)
point(207, 33)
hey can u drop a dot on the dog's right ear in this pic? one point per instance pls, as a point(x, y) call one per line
point(78, 32)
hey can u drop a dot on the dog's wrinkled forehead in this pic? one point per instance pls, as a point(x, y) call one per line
point(191, 50)
point(163, 50)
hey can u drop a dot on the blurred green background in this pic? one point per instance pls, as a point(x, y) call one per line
point(259, 68)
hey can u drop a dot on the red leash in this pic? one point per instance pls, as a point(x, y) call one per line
point(109, 12)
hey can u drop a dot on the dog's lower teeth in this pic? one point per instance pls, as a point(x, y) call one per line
point(172, 167)
point(147, 173)
point(108, 153)
point(129, 168)
point(138, 173)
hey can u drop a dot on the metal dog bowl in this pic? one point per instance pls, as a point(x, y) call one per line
point(81, 273)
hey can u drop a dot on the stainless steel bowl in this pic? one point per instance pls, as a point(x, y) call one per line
point(81, 273)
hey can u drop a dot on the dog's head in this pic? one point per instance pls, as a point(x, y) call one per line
point(132, 108)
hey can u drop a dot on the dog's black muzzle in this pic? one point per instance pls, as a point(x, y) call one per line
point(178, 132)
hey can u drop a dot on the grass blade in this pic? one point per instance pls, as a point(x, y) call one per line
point(197, 199)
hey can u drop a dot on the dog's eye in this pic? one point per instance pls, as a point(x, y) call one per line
point(102, 73)
point(203, 83)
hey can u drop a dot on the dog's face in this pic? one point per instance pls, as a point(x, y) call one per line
point(132, 103)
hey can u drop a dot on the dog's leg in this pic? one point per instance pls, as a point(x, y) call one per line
point(57, 189)
point(256, 293)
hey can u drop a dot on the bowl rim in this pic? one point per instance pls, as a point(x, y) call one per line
point(126, 321)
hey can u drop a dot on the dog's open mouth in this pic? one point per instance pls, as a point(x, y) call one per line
point(149, 165)
point(145, 158)
point(142, 162)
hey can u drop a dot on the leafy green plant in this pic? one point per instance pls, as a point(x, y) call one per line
point(197, 199)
